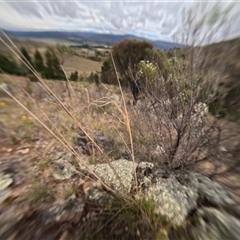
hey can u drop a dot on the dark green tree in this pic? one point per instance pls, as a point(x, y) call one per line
point(26, 59)
point(38, 62)
point(74, 76)
point(8, 65)
point(94, 78)
point(49, 72)
point(108, 74)
point(126, 55)
point(53, 68)
point(58, 72)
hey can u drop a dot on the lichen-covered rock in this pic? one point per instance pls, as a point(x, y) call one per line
point(118, 175)
point(96, 194)
point(144, 174)
point(172, 200)
point(215, 224)
point(207, 189)
point(176, 198)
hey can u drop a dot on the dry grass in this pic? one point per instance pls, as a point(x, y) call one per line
point(78, 62)
point(82, 65)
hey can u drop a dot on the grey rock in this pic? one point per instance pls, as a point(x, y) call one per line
point(207, 189)
point(61, 212)
point(215, 225)
point(80, 139)
point(124, 155)
point(96, 194)
point(172, 200)
point(106, 143)
point(176, 198)
point(144, 174)
point(118, 175)
point(145, 166)
point(85, 146)
point(63, 170)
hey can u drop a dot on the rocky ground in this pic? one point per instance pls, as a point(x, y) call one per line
point(64, 200)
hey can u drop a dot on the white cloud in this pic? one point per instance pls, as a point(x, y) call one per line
point(157, 19)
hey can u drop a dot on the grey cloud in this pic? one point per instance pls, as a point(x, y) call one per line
point(26, 8)
point(159, 18)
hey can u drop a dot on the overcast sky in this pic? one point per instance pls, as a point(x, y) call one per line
point(163, 20)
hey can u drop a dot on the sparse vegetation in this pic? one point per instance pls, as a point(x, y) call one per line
point(74, 76)
point(169, 125)
point(37, 193)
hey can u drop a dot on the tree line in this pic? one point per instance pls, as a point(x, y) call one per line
point(48, 67)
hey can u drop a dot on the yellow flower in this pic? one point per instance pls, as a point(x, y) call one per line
point(23, 117)
point(29, 118)
point(2, 104)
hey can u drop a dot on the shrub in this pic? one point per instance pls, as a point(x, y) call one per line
point(95, 58)
point(173, 118)
point(94, 78)
point(108, 75)
point(73, 76)
point(127, 54)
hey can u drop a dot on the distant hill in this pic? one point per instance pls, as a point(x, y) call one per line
point(86, 37)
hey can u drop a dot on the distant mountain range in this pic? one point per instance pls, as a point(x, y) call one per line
point(86, 37)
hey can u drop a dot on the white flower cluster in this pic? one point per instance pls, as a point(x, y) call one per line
point(186, 93)
point(173, 60)
point(147, 70)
